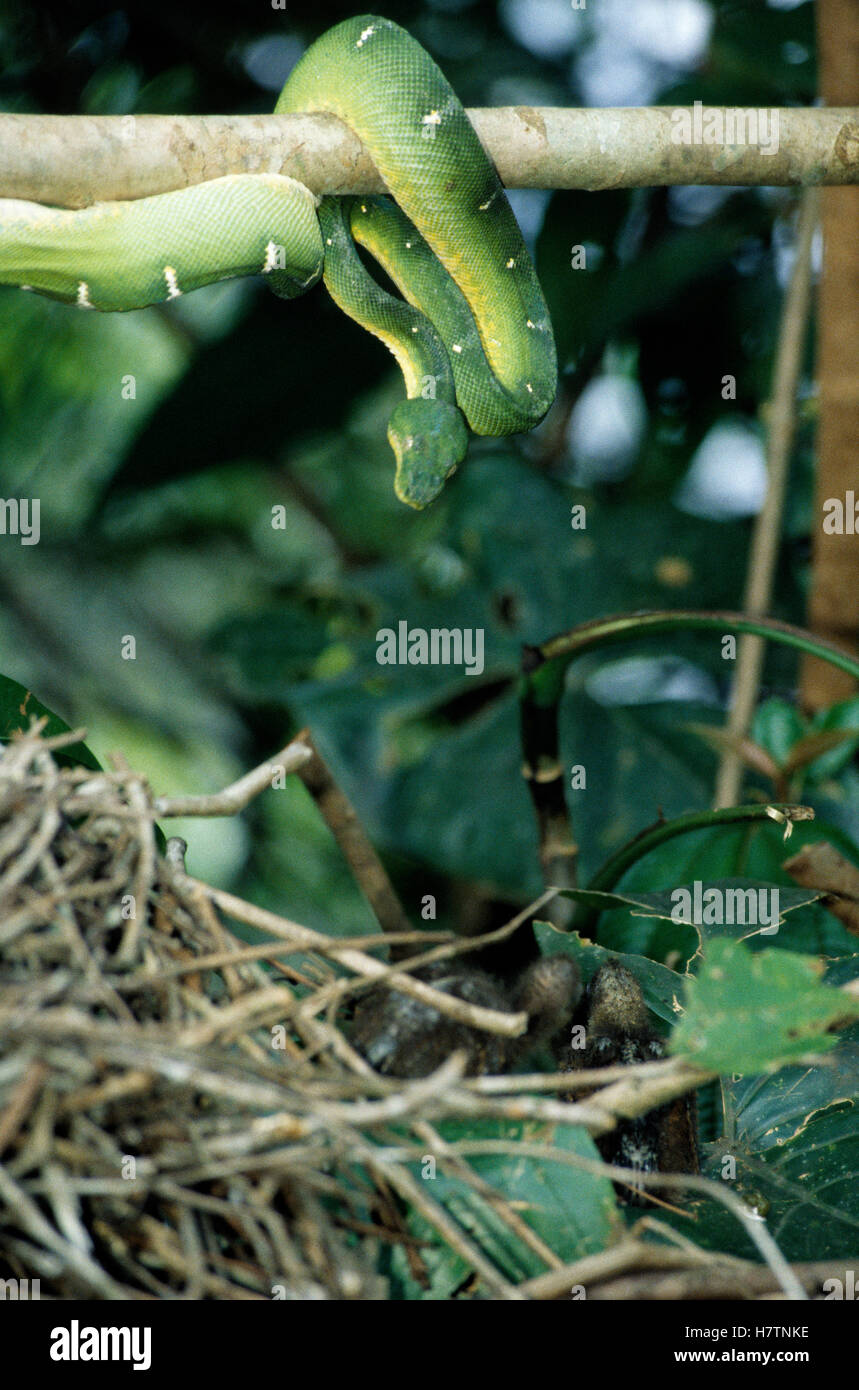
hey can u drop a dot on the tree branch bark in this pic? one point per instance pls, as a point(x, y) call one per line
point(71, 161)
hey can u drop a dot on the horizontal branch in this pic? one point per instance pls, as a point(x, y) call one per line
point(71, 161)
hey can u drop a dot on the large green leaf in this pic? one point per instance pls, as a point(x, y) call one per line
point(797, 1152)
point(755, 851)
point(573, 1212)
point(750, 1012)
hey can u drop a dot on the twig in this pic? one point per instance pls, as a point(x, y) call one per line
point(752, 1225)
point(718, 1280)
point(412, 1192)
point(499, 1204)
point(235, 797)
point(339, 990)
point(340, 816)
point(629, 627)
point(129, 949)
point(78, 1262)
point(766, 538)
point(607, 877)
point(631, 1254)
point(833, 600)
point(238, 955)
point(491, 1020)
point(20, 1101)
point(557, 1081)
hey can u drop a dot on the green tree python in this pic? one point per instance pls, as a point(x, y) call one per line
point(471, 335)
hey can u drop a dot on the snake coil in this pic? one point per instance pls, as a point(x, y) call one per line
point(472, 333)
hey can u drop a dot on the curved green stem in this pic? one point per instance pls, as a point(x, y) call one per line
point(605, 879)
point(613, 870)
point(623, 627)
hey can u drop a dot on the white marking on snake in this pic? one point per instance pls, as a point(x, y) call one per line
point(83, 300)
point(529, 324)
point(431, 118)
point(366, 34)
point(271, 251)
point(511, 263)
point(173, 290)
point(408, 246)
point(529, 387)
point(456, 347)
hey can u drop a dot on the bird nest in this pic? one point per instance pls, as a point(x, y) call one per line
point(180, 1112)
point(182, 1115)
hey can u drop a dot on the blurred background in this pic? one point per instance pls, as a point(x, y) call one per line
point(156, 511)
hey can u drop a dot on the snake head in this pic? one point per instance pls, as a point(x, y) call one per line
point(429, 439)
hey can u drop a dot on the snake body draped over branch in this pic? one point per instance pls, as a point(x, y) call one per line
point(472, 333)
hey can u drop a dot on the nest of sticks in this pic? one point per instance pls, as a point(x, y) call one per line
point(181, 1114)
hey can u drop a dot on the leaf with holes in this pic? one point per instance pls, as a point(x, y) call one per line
point(751, 1012)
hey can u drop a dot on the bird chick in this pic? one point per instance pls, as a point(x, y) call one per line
point(618, 1032)
point(401, 1036)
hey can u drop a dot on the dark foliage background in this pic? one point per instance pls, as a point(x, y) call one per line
point(156, 512)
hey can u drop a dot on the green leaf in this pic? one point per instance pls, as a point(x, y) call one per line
point(18, 706)
point(398, 738)
point(572, 1211)
point(754, 852)
point(665, 906)
point(812, 747)
point(773, 1110)
point(845, 717)
point(749, 1012)
point(798, 1149)
point(777, 726)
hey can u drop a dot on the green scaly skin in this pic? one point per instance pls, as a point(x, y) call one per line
point(474, 335)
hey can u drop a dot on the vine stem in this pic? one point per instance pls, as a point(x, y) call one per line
point(613, 870)
point(605, 879)
point(623, 627)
